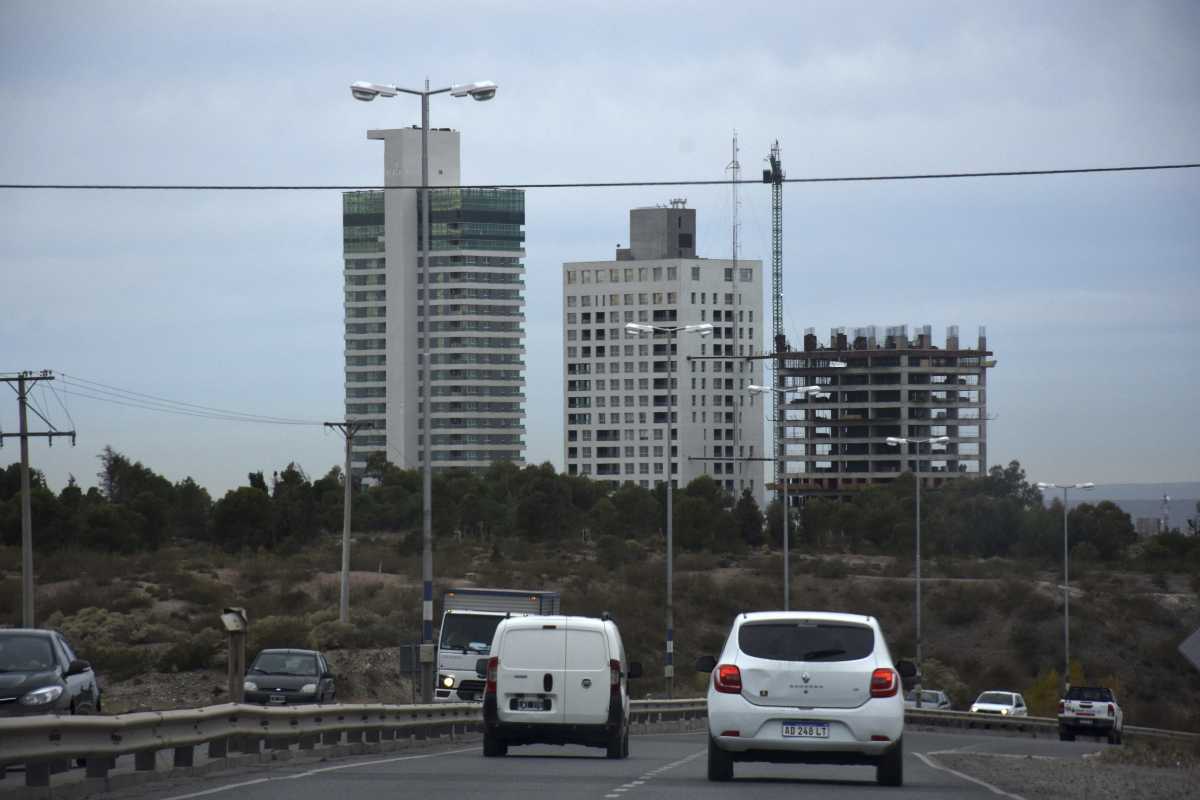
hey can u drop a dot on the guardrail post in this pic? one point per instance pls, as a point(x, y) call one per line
point(98, 766)
point(184, 756)
point(218, 748)
point(144, 760)
point(37, 773)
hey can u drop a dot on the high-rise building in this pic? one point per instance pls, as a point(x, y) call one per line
point(894, 385)
point(620, 386)
point(476, 312)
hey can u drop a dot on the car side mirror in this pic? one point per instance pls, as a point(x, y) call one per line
point(706, 664)
point(78, 667)
point(634, 670)
point(481, 668)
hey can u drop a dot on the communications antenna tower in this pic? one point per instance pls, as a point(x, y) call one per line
point(774, 176)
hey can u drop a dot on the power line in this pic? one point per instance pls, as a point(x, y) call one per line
point(587, 185)
point(76, 391)
point(141, 397)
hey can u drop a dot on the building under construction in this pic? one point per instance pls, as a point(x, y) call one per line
point(836, 442)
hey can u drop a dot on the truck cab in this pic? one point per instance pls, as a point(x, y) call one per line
point(469, 620)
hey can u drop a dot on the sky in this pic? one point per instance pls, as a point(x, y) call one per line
point(1088, 284)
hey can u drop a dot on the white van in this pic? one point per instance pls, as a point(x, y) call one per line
point(557, 680)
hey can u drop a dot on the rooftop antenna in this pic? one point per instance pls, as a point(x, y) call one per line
point(1166, 514)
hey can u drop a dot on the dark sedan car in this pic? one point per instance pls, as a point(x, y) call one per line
point(287, 677)
point(40, 674)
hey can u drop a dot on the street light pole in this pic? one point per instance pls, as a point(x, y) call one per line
point(895, 441)
point(781, 393)
point(1066, 578)
point(480, 90)
point(672, 333)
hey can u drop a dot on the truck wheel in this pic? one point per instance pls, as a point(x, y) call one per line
point(493, 747)
point(720, 763)
point(890, 771)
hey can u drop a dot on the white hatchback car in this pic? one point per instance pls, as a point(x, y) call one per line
point(806, 687)
point(1008, 704)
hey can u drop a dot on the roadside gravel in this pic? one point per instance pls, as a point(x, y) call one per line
point(1075, 779)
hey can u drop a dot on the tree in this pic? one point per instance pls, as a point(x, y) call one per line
point(242, 519)
point(748, 519)
point(293, 507)
point(192, 510)
point(1104, 525)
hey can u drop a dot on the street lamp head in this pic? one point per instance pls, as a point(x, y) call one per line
point(939, 440)
point(1044, 485)
point(703, 328)
point(1088, 485)
point(837, 364)
point(479, 90)
point(362, 90)
point(637, 327)
point(754, 387)
point(896, 440)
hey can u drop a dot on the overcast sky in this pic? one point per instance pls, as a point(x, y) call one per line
point(1088, 285)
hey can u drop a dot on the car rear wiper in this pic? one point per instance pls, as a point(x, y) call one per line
point(813, 655)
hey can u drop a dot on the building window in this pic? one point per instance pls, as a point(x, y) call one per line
point(570, 276)
point(729, 274)
point(570, 301)
point(657, 272)
point(746, 274)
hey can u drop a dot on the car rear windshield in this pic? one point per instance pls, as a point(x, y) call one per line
point(1089, 694)
point(997, 698)
point(806, 640)
point(23, 653)
point(285, 664)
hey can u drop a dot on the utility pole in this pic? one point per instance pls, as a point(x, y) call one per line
point(24, 381)
point(347, 429)
point(774, 176)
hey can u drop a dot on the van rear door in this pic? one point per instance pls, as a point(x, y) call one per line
point(530, 682)
point(588, 675)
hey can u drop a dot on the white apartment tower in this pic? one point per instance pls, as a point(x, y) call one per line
point(476, 310)
point(622, 385)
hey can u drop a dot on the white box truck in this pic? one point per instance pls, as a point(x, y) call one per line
point(469, 620)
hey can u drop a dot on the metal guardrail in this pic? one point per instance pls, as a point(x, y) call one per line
point(46, 744)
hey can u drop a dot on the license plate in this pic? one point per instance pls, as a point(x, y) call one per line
point(278, 698)
point(531, 705)
point(803, 729)
point(1085, 722)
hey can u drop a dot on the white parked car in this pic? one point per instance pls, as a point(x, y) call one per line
point(1008, 704)
point(557, 680)
point(931, 699)
point(806, 687)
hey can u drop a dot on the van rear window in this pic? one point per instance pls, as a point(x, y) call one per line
point(585, 650)
point(532, 648)
point(806, 641)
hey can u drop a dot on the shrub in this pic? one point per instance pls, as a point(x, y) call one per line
point(276, 631)
point(833, 568)
point(194, 652)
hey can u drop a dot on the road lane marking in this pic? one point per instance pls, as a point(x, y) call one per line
point(993, 789)
point(309, 773)
point(626, 787)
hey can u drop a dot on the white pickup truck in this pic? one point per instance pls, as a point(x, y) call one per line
point(1091, 711)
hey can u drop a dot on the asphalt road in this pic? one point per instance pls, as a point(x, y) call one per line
point(660, 766)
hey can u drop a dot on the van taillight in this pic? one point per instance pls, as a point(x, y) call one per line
point(492, 671)
point(884, 682)
point(614, 668)
point(1112, 712)
point(728, 679)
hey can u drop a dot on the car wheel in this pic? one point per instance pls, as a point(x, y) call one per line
point(890, 771)
point(492, 746)
point(720, 763)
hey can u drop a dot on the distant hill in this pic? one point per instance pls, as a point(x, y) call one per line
point(1142, 499)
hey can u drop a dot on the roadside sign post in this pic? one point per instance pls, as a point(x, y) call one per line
point(234, 620)
point(1189, 648)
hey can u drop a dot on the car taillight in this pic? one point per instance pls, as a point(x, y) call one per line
point(1062, 707)
point(728, 679)
point(1112, 712)
point(884, 682)
point(614, 687)
point(492, 671)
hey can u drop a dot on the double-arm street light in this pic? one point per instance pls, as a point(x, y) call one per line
point(672, 334)
point(896, 441)
point(1066, 487)
point(781, 393)
point(480, 90)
